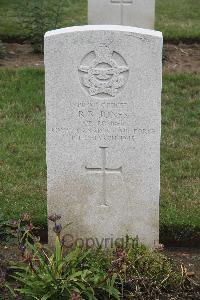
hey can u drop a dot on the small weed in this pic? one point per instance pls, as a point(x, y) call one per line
point(40, 16)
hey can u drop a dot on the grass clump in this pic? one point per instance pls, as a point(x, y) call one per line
point(130, 272)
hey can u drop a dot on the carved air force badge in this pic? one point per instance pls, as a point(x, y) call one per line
point(103, 72)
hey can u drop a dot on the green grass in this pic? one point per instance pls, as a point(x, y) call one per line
point(178, 19)
point(10, 23)
point(22, 151)
point(180, 148)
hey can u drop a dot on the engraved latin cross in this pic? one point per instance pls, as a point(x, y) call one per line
point(104, 171)
point(122, 4)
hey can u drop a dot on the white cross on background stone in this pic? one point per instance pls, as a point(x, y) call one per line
point(104, 171)
point(122, 4)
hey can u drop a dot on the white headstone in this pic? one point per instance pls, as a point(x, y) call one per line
point(103, 94)
point(137, 13)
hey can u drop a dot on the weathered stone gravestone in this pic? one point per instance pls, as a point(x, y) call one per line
point(137, 13)
point(103, 90)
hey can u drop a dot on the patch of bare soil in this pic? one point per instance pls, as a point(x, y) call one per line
point(21, 55)
point(178, 58)
point(189, 258)
point(182, 58)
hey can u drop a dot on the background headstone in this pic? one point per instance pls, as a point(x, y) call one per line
point(137, 13)
point(103, 91)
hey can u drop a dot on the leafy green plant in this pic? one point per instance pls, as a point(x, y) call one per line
point(129, 272)
point(46, 274)
point(40, 16)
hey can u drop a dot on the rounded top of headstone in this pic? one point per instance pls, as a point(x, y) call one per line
point(118, 28)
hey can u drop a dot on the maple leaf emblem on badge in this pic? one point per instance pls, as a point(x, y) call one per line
point(103, 72)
